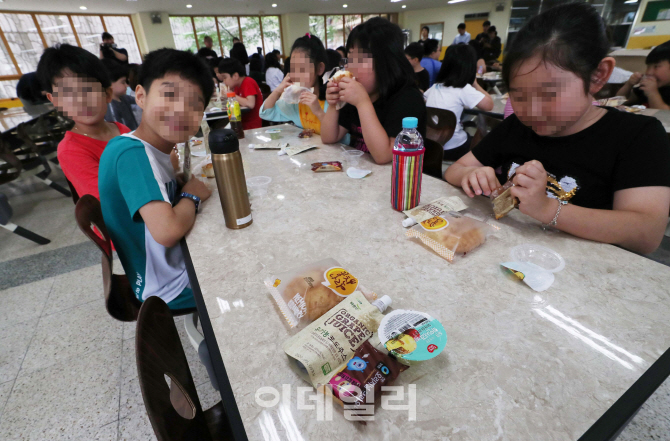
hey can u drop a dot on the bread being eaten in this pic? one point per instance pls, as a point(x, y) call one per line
point(341, 74)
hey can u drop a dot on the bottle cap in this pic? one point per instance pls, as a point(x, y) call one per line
point(223, 141)
point(383, 303)
point(232, 95)
point(410, 123)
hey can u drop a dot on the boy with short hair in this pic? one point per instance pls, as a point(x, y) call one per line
point(120, 109)
point(76, 83)
point(145, 211)
point(233, 74)
point(654, 87)
point(414, 53)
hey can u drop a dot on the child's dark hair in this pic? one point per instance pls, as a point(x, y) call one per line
point(383, 40)
point(414, 50)
point(287, 66)
point(430, 46)
point(334, 58)
point(255, 63)
point(486, 23)
point(571, 37)
point(133, 75)
point(461, 26)
point(459, 66)
point(79, 61)
point(312, 46)
point(426, 28)
point(239, 52)
point(106, 36)
point(272, 60)
point(492, 29)
point(188, 66)
point(232, 66)
point(343, 49)
point(115, 70)
point(659, 53)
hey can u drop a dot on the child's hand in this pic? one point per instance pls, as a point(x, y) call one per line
point(287, 81)
point(332, 93)
point(649, 85)
point(197, 188)
point(310, 100)
point(352, 92)
point(530, 187)
point(634, 79)
point(174, 158)
point(481, 180)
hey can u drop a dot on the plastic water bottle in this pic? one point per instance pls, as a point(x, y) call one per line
point(408, 153)
point(234, 115)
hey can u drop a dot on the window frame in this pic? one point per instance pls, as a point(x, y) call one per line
point(34, 14)
point(239, 26)
point(393, 15)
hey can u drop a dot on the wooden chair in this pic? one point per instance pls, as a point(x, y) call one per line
point(485, 124)
point(120, 300)
point(169, 393)
point(265, 90)
point(440, 124)
point(432, 158)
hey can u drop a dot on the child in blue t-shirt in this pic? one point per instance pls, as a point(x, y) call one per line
point(145, 211)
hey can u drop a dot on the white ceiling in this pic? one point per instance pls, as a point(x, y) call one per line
point(206, 7)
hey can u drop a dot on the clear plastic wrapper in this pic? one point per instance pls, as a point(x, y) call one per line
point(292, 93)
point(306, 293)
point(451, 234)
point(502, 200)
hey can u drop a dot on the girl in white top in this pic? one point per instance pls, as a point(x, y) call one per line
point(273, 74)
point(456, 88)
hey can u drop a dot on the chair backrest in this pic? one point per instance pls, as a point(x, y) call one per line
point(168, 390)
point(11, 167)
point(440, 124)
point(120, 300)
point(432, 158)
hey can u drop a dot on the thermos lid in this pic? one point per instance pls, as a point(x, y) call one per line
point(410, 123)
point(223, 141)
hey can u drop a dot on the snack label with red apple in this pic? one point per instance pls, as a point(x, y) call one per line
point(411, 336)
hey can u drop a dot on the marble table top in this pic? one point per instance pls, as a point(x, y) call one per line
point(518, 365)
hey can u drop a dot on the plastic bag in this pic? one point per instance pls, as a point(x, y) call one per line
point(303, 294)
point(451, 233)
point(292, 93)
point(502, 200)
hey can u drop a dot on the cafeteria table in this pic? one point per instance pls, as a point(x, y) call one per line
point(12, 117)
point(573, 362)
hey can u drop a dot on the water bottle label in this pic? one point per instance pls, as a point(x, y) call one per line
point(244, 220)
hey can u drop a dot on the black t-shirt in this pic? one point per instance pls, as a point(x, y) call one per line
point(481, 37)
point(205, 53)
point(492, 52)
point(642, 97)
point(619, 151)
point(422, 79)
point(390, 111)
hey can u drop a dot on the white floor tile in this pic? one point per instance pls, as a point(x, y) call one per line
point(136, 427)
point(74, 289)
point(5, 389)
point(24, 303)
point(14, 340)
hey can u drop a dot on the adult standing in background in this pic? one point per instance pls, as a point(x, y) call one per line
point(483, 36)
point(207, 52)
point(431, 52)
point(108, 49)
point(239, 53)
point(462, 37)
point(423, 35)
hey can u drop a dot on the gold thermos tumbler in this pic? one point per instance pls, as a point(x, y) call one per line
point(230, 180)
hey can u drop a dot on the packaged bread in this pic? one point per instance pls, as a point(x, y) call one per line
point(451, 234)
point(306, 293)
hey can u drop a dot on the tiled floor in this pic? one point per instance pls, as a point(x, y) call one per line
point(67, 370)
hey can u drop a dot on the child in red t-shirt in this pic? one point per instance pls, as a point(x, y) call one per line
point(77, 84)
point(233, 74)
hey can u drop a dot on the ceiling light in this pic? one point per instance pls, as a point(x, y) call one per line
point(189, 6)
point(404, 6)
point(344, 6)
point(274, 5)
point(83, 8)
point(630, 1)
point(456, 1)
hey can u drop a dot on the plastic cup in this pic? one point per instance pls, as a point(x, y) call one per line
point(353, 157)
point(541, 256)
point(258, 185)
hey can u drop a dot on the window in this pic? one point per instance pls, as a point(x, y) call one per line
point(89, 29)
point(251, 33)
point(317, 26)
point(228, 29)
point(7, 67)
point(24, 42)
point(8, 89)
point(206, 26)
point(182, 31)
point(271, 33)
point(335, 31)
point(56, 29)
point(350, 22)
point(338, 27)
point(121, 29)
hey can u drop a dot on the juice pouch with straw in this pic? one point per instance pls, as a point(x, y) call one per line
point(306, 293)
point(451, 233)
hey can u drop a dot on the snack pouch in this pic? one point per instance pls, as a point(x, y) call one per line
point(451, 233)
point(358, 381)
point(292, 93)
point(328, 342)
point(435, 208)
point(332, 166)
point(306, 293)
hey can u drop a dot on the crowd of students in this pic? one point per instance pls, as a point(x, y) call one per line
point(596, 173)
